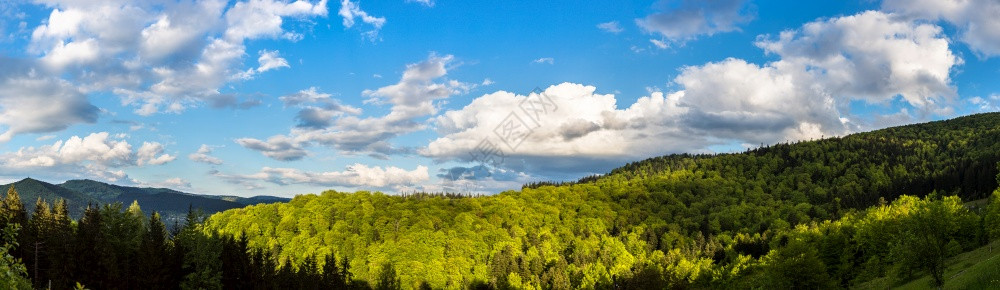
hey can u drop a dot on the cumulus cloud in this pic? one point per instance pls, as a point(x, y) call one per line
point(681, 20)
point(152, 153)
point(203, 156)
point(477, 180)
point(822, 68)
point(317, 110)
point(871, 56)
point(976, 20)
point(172, 183)
point(96, 155)
point(40, 105)
point(411, 100)
point(277, 147)
point(580, 128)
point(612, 27)
point(310, 95)
point(357, 175)
point(176, 182)
point(162, 57)
point(351, 11)
point(268, 60)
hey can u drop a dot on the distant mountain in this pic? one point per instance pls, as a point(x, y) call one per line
point(168, 202)
point(251, 200)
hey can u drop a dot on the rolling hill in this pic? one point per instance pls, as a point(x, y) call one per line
point(824, 213)
point(170, 203)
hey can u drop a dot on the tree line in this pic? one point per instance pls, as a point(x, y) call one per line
point(832, 213)
point(114, 247)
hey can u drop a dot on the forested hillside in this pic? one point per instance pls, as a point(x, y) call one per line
point(171, 204)
point(831, 213)
point(681, 220)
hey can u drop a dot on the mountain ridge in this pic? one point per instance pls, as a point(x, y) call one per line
point(79, 193)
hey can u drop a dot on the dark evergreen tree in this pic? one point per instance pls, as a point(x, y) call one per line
point(387, 279)
point(90, 249)
point(153, 256)
point(332, 278)
point(59, 244)
point(35, 251)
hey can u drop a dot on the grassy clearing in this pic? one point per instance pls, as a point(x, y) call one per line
point(976, 269)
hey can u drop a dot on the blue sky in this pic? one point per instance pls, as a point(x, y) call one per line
point(281, 98)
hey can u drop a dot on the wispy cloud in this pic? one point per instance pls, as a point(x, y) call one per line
point(612, 27)
point(545, 60)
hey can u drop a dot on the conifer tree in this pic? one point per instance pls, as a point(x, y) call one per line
point(59, 244)
point(13, 209)
point(152, 254)
point(35, 253)
point(90, 249)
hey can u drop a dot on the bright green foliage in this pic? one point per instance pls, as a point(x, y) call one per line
point(992, 216)
point(824, 214)
point(796, 265)
point(930, 235)
point(12, 209)
point(13, 274)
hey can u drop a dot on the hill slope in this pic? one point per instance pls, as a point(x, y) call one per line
point(170, 203)
point(695, 220)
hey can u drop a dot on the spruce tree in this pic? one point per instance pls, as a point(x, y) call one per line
point(152, 254)
point(59, 243)
point(90, 249)
point(13, 208)
point(34, 252)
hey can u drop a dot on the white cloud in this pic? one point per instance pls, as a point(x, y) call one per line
point(987, 104)
point(581, 128)
point(428, 3)
point(268, 60)
point(172, 183)
point(202, 155)
point(976, 20)
point(73, 53)
point(309, 95)
point(822, 67)
point(152, 154)
point(310, 98)
point(547, 60)
point(277, 147)
point(350, 11)
point(681, 20)
point(475, 180)
point(175, 182)
point(612, 27)
point(411, 100)
point(162, 56)
point(40, 105)
point(734, 99)
point(871, 56)
point(357, 175)
point(659, 43)
point(96, 155)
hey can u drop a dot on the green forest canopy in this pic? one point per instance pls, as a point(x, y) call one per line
point(830, 213)
point(702, 220)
